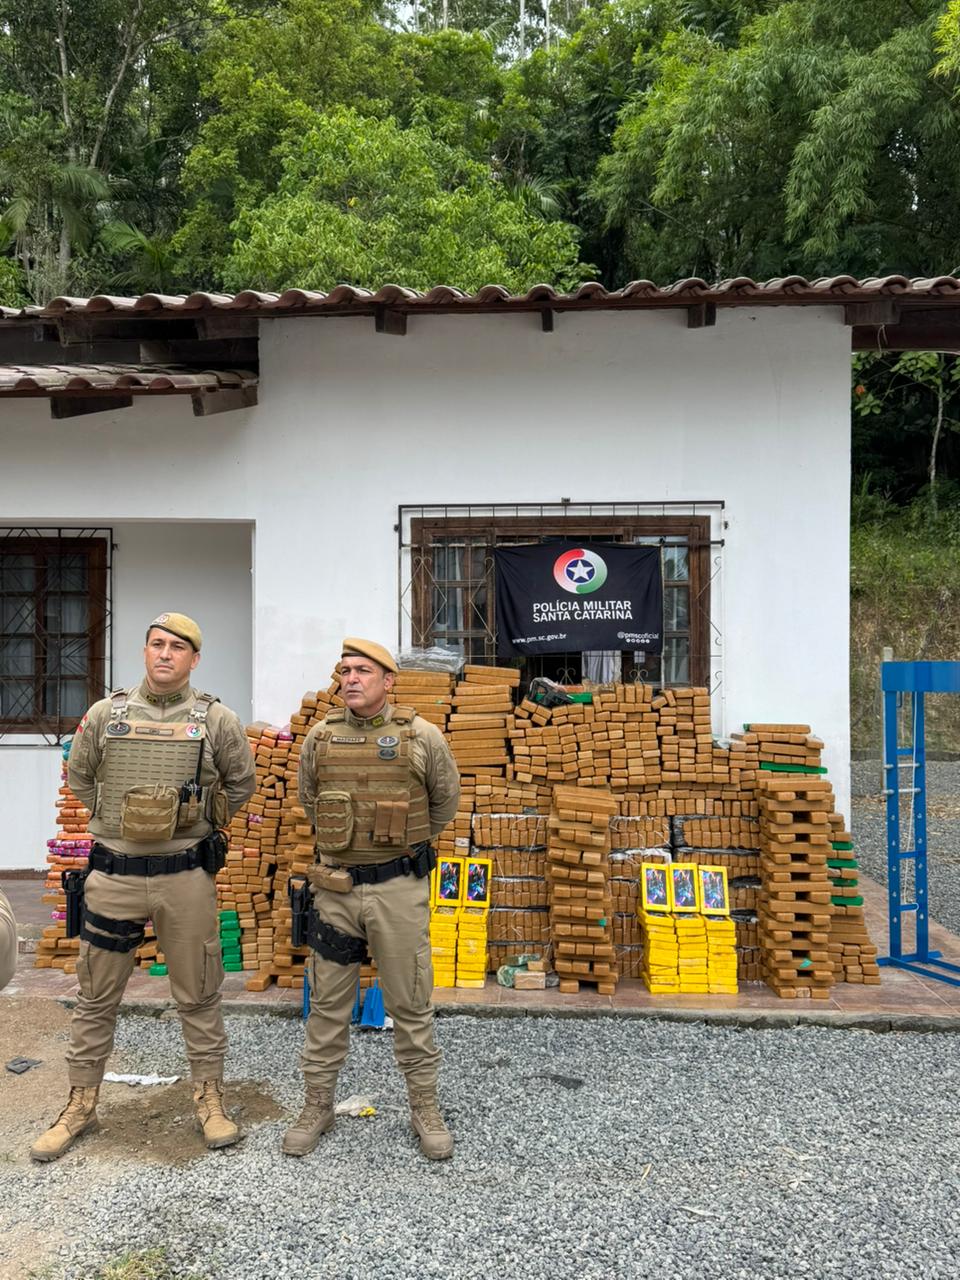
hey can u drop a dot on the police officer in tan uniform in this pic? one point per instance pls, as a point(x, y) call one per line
point(378, 782)
point(161, 767)
point(8, 941)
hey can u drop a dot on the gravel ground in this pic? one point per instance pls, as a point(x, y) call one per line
point(869, 820)
point(585, 1149)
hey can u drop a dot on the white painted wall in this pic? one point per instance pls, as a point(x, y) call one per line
point(203, 570)
point(619, 406)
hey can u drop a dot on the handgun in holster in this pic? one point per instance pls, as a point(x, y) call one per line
point(300, 899)
point(213, 852)
point(72, 882)
point(424, 858)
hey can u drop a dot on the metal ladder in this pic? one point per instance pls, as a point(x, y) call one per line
point(896, 680)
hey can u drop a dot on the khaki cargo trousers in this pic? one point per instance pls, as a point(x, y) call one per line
point(394, 917)
point(183, 908)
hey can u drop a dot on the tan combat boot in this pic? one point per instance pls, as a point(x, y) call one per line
point(436, 1142)
point(316, 1119)
point(218, 1129)
point(78, 1116)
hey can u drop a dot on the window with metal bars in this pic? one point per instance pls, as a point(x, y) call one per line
point(452, 591)
point(54, 613)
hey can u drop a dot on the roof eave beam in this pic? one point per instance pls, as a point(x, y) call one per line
point(880, 312)
point(391, 321)
point(900, 337)
point(74, 406)
point(225, 400)
point(702, 315)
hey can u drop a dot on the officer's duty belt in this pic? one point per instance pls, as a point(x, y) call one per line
point(417, 863)
point(159, 864)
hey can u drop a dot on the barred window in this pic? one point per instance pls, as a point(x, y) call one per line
point(451, 595)
point(53, 625)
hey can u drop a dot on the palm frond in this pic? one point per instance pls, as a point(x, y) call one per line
point(16, 217)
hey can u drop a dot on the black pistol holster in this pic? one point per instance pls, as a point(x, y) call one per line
point(213, 851)
point(333, 944)
point(300, 899)
point(72, 882)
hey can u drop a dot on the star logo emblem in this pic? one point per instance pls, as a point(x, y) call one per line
point(580, 571)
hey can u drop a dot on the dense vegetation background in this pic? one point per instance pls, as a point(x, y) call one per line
point(176, 145)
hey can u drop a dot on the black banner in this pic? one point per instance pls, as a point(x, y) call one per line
point(567, 597)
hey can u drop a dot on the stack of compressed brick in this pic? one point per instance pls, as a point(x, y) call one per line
point(230, 946)
point(722, 959)
point(472, 946)
point(515, 930)
point(694, 734)
point(443, 945)
point(68, 850)
point(578, 885)
point(625, 749)
point(245, 883)
point(516, 845)
point(692, 954)
point(633, 841)
point(749, 963)
point(743, 758)
point(689, 953)
point(787, 748)
point(853, 955)
point(478, 729)
point(729, 840)
point(794, 902)
point(428, 692)
point(542, 755)
point(659, 970)
point(454, 840)
point(610, 742)
point(624, 900)
point(720, 833)
point(666, 708)
point(497, 795)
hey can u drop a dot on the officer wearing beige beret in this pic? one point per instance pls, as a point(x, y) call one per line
point(161, 767)
point(378, 782)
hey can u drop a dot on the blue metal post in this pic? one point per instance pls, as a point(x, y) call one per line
point(891, 775)
point(917, 679)
point(919, 798)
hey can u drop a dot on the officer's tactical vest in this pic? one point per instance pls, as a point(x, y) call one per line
point(145, 768)
point(369, 802)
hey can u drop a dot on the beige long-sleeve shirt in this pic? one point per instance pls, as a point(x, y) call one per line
point(227, 759)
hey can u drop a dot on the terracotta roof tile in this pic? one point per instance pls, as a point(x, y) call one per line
point(738, 291)
point(58, 379)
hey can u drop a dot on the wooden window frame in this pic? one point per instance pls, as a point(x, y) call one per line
point(96, 551)
point(693, 529)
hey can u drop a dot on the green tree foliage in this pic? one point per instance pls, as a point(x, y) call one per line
point(79, 116)
point(270, 73)
point(906, 429)
point(365, 202)
point(561, 109)
point(819, 142)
